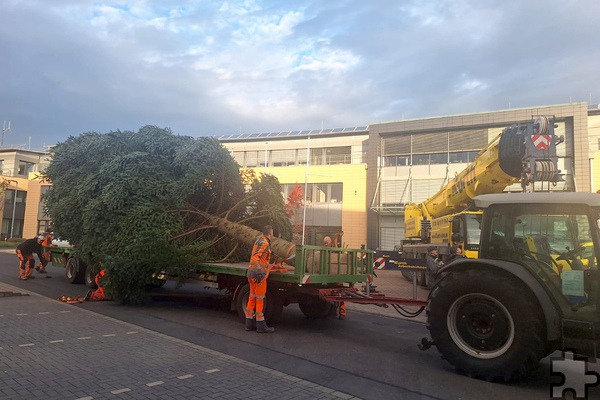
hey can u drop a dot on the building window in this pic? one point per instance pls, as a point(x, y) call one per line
point(420, 159)
point(318, 192)
point(25, 167)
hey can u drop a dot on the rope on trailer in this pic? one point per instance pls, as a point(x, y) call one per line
point(406, 313)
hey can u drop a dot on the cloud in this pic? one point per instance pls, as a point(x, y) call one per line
point(211, 68)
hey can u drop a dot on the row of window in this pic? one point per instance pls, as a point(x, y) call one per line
point(317, 192)
point(429, 159)
point(290, 157)
point(25, 167)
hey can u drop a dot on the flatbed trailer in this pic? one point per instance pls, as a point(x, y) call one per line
point(321, 278)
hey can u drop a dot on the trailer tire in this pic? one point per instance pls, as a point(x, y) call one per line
point(89, 277)
point(486, 325)
point(72, 271)
point(313, 306)
point(273, 308)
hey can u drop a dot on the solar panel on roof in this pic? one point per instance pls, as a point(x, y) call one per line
point(304, 132)
point(253, 135)
point(361, 128)
point(337, 130)
point(326, 130)
point(265, 134)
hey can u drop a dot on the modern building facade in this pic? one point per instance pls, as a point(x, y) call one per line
point(22, 209)
point(404, 162)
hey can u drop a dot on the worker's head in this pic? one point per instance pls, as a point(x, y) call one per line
point(327, 241)
point(433, 250)
point(41, 237)
point(458, 250)
point(267, 230)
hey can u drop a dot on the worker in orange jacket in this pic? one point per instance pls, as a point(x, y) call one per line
point(258, 272)
point(47, 242)
point(25, 252)
point(98, 294)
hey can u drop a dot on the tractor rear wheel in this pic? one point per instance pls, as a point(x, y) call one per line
point(486, 325)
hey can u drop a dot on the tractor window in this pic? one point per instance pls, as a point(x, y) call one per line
point(558, 247)
point(473, 232)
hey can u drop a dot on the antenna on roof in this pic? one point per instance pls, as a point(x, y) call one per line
point(5, 130)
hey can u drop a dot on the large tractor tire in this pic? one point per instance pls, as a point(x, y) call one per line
point(486, 325)
point(273, 308)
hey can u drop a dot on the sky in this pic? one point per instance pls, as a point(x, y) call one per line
point(212, 68)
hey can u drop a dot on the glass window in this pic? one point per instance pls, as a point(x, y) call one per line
point(420, 159)
point(459, 157)
point(25, 167)
point(439, 158)
point(337, 193)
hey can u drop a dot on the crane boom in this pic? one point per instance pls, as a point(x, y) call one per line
point(523, 152)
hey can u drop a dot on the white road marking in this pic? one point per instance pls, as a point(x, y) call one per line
point(210, 371)
point(85, 398)
point(185, 376)
point(154, 383)
point(27, 345)
point(109, 335)
point(84, 338)
point(65, 311)
point(119, 391)
point(45, 312)
point(21, 314)
point(57, 341)
point(132, 332)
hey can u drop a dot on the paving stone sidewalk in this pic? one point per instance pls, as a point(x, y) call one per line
point(52, 350)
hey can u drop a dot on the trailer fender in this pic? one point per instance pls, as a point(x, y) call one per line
point(550, 310)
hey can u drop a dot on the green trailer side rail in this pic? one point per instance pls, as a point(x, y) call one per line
point(312, 265)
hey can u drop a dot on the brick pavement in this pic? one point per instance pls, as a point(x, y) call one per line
point(53, 350)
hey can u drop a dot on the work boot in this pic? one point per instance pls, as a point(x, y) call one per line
point(250, 324)
point(22, 274)
point(261, 327)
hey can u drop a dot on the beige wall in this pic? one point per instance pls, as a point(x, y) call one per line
point(353, 178)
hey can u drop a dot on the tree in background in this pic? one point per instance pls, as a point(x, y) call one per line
point(133, 203)
point(294, 203)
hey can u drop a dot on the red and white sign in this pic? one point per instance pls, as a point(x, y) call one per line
point(379, 263)
point(541, 142)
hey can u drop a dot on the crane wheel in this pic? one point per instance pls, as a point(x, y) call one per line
point(486, 325)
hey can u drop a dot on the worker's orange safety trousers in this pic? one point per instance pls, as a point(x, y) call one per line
point(256, 300)
point(26, 264)
point(98, 294)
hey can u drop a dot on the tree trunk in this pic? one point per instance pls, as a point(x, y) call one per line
point(247, 236)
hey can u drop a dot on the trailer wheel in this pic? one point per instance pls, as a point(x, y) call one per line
point(486, 325)
point(90, 277)
point(273, 308)
point(314, 306)
point(72, 271)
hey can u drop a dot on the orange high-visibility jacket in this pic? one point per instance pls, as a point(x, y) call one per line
point(261, 253)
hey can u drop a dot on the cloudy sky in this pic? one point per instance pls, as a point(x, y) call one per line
point(210, 68)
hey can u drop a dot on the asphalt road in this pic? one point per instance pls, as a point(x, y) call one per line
point(368, 355)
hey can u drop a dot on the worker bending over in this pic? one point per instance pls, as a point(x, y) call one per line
point(25, 251)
